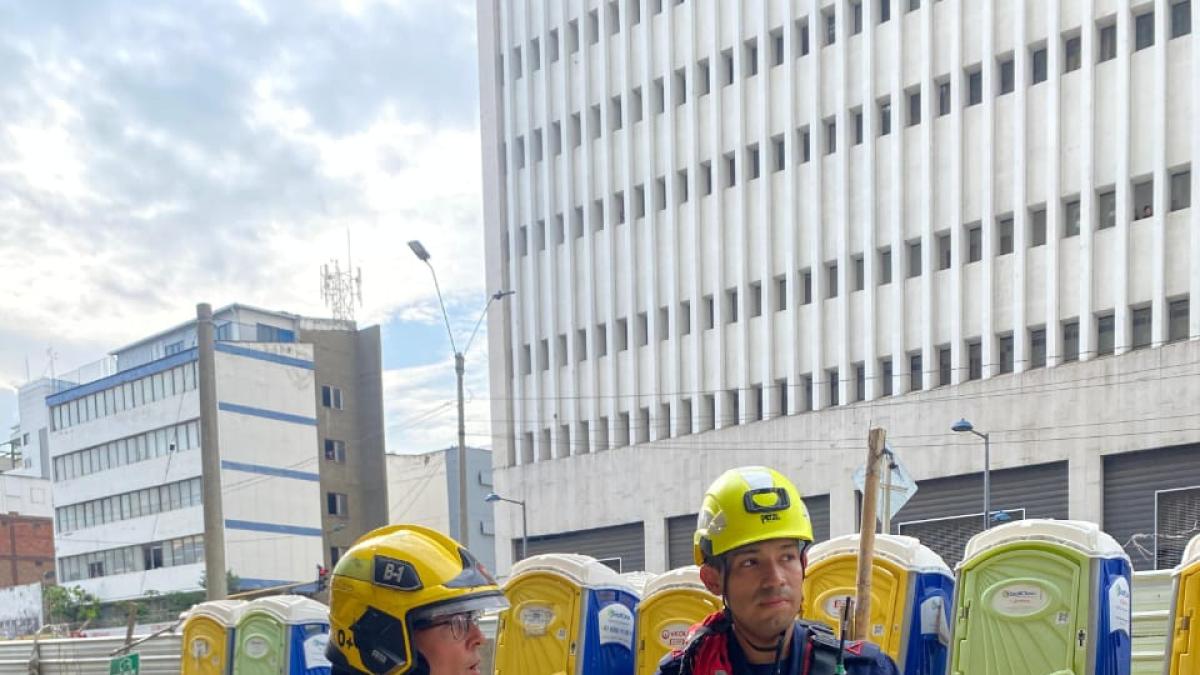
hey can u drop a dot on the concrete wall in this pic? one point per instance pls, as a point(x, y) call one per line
point(269, 479)
point(420, 490)
point(1077, 412)
point(424, 490)
point(20, 610)
point(350, 360)
point(26, 495)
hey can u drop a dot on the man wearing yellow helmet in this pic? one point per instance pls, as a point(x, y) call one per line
point(407, 599)
point(751, 543)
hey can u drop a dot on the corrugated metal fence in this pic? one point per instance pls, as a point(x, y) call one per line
point(159, 656)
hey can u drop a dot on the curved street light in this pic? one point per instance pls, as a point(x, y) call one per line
point(419, 250)
point(963, 426)
point(492, 498)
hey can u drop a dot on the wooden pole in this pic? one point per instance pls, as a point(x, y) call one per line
point(866, 534)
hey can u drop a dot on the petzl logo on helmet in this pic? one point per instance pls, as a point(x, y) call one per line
point(396, 573)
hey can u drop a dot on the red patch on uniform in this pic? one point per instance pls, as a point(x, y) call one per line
point(855, 648)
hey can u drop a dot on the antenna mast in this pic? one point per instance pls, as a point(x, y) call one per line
point(341, 290)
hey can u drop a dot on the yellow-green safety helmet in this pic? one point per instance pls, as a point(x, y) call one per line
point(393, 581)
point(747, 505)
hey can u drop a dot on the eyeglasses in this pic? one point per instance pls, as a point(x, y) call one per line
point(460, 624)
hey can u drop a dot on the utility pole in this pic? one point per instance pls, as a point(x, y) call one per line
point(463, 521)
point(866, 534)
point(210, 457)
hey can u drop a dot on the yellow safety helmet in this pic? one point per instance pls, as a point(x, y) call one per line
point(393, 581)
point(747, 505)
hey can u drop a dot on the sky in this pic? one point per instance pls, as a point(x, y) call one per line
point(154, 155)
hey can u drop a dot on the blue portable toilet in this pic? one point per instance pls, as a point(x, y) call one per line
point(1043, 596)
point(912, 591)
point(282, 634)
point(569, 614)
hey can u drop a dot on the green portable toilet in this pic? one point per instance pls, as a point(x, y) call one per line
point(1042, 597)
point(280, 635)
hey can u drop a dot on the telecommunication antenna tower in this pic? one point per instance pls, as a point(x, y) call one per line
point(340, 290)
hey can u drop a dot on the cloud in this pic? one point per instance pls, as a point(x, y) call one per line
point(155, 154)
point(421, 409)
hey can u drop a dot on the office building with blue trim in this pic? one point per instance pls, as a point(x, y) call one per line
point(300, 423)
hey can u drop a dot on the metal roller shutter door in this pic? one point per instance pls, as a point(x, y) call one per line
point(622, 547)
point(1136, 484)
point(818, 512)
point(946, 512)
point(679, 540)
point(681, 528)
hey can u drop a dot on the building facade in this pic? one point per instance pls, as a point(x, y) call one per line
point(26, 530)
point(746, 232)
point(424, 491)
point(296, 455)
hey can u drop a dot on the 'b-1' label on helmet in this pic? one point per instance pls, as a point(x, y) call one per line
point(396, 573)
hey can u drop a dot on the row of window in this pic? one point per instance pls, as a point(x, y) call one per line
point(1143, 22)
point(1142, 198)
point(130, 450)
point(1177, 329)
point(972, 242)
point(145, 502)
point(126, 559)
point(126, 396)
point(1038, 63)
point(639, 430)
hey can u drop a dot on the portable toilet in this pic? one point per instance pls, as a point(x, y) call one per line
point(1184, 634)
point(637, 580)
point(569, 614)
point(1043, 596)
point(282, 634)
point(208, 633)
point(672, 603)
point(912, 591)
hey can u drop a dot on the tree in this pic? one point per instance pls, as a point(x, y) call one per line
point(232, 582)
point(71, 604)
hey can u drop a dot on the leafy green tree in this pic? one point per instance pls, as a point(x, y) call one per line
point(71, 604)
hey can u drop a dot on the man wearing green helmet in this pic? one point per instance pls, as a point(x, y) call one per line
point(751, 543)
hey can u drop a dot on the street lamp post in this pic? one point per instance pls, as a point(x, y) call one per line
point(962, 425)
point(459, 370)
point(492, 498)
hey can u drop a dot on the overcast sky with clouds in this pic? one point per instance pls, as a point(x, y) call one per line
point(157, 154)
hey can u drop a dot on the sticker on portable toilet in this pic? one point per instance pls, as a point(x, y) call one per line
point(1020, 600)
point(933, 619)
point(616, 625)
point(1119, 610)
point(200, 648)
point(314, 651)
point(256, 647)
point(877, 629)
point(1062, 618)
point(834, 605)
point(673, 635)
point(535, 619)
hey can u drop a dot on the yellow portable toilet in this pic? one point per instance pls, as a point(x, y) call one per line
point(912, 592)
point(1184, 657)
point(208, 631)
point(569, 614)
point(672, 603)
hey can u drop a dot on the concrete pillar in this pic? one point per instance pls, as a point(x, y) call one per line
point(210, 457)
point(1086, 490)
point(654, 529)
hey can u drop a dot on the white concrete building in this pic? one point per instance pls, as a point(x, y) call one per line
point(746, 231)
point(126, 463)
point(423, 490)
